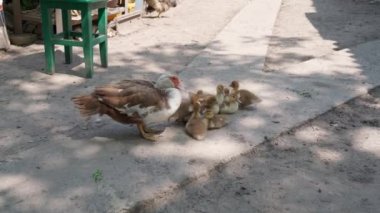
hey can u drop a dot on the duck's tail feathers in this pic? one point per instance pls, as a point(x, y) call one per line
point(88, 105)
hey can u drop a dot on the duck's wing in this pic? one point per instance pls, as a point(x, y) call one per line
point(132, 96)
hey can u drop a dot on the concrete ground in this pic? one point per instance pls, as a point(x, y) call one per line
point(329, 164)
point(51, 162)
point(310, 29)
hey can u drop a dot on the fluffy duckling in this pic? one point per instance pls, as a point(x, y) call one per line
point(197, 126)
point(185, 109)
point(231, 105)
point(245, 97)
point(212, 104)
point(183, 113)
point(203, 99)
point(203, 96)
point(226, 97)
point(196, 97)
point(220, 94)
point(215, 121)
point(200, 97)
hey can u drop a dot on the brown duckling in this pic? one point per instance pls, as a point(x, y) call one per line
point(231, 105)
point(215, 121)
point(212, 104)
point(195, 97)
point(183, 113)
point(197, 126)
point(185, 109)
point(245, 97)
point(203, 96)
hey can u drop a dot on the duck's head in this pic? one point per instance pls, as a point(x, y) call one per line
point(226, 92)
point(235, 85)
point(234, 97)
point(168, 81)
point(219, 89)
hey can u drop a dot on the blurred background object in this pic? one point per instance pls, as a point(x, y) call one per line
point(4, 40)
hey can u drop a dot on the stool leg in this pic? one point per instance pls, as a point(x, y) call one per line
point(102, 26)
point(47, 30)
point(87, 42)
point(66, 20)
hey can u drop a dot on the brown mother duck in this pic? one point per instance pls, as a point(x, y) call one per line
point(139, 102)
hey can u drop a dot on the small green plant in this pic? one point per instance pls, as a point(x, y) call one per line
point(301, 93)
point(305, 94)
point(97, 175)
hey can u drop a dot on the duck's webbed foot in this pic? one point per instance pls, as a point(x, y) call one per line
point(156, 128)
point(147, 135)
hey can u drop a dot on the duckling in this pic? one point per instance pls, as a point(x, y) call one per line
point(183, 113)
point(197, 126)
point(212, 104)
point(231, 105)
point(245, 97)
point(185, 109)
point(226, 97)
point(196, 97)
point(215, 121)
point(203, 96)
point(220, 94)
point(203, 99)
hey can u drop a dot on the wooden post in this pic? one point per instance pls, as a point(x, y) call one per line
point(17, 21)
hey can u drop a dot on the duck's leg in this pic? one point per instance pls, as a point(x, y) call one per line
point(156, 129)
point(148, 136)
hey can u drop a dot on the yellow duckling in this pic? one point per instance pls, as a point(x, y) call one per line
point(215, 121)
point(226, 97)
point(231, 105)
point(245, 97)
point(220, 94)
point(197, 126)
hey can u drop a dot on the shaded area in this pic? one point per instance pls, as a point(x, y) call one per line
point(48, 154)
point(323, 177)
point(330, 164)
point(313, 28)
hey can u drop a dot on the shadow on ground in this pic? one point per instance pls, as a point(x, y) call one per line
point(330, 164)
point(310, 29)
point(48, 155)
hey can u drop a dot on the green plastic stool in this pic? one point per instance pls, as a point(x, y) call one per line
point(89, 39)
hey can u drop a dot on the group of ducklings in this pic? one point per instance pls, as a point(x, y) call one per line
point(203, 112)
